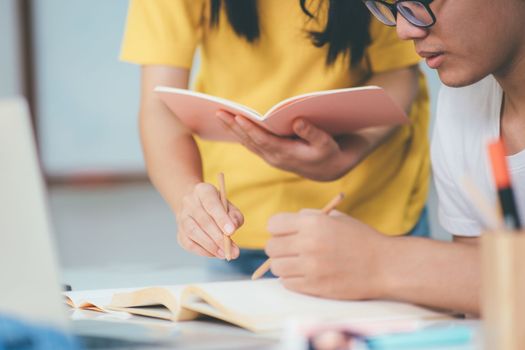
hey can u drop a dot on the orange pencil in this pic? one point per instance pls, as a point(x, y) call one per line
point(261, 270)
point(227, 240)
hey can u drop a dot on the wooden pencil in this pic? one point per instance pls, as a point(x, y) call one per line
point(227, 240)
point(261, 270)
point(333, 203)
point(265, 266)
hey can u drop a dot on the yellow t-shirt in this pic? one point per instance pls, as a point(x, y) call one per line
point(387, 190)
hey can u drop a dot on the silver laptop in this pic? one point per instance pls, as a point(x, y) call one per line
point(28, 270)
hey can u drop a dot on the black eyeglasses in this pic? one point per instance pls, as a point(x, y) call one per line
point(417, 12)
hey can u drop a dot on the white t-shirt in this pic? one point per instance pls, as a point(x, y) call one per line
point(467, 119)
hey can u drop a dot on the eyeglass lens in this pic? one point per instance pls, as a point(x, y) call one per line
point(382, 12)
point(414, 11)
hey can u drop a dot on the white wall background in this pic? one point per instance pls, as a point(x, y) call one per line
point(87, 100)
point(434, 85)
point(10, 64)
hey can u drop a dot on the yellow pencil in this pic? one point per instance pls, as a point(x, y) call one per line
point(227, 240)
point(261, 270)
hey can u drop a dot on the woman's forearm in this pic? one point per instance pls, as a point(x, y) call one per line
point(173, 161)
point(172, 157)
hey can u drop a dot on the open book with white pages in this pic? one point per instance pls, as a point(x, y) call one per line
point(259, 306)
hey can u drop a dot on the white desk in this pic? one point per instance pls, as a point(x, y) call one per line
point(167, 335)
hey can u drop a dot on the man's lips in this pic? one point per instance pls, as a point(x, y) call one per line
point(434, 59)
point(429, 54)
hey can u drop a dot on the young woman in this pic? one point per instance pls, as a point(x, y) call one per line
point(259, 53)
point(478, 48)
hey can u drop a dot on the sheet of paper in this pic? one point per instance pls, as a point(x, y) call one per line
point(93, 299)
point(268, 305)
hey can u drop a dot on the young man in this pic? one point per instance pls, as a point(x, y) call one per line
point(478, 49)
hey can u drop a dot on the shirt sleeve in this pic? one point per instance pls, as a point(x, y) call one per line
point(455, 211)
point(388, 52)
point(163, 32)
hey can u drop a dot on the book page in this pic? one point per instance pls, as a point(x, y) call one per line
point(96, 300)
point(266, 305)
point(197, 111)
point(298, 98)
point(160, 302)
point(156, 311)
point(337, 112)
point(190, 95)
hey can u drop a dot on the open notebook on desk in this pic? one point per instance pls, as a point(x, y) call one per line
point(258, 306)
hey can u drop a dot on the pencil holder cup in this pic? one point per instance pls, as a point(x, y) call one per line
point(503, 290)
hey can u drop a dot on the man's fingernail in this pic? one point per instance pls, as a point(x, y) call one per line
point(228, 228)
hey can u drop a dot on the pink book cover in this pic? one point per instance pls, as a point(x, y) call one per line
point(338, 112)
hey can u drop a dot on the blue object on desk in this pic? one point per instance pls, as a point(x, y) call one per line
point(431, 337)
point(18, 335)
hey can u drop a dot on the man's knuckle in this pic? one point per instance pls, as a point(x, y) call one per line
point(276, 268)
point(308, 221)
point(308, 245)
point(270, 248)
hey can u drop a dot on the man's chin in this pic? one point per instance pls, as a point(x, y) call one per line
point(457, 78)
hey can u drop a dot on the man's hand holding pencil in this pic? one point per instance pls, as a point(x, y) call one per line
point(332, 256)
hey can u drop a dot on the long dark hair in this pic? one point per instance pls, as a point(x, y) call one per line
point(346, 30)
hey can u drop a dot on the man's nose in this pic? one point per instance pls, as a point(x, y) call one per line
point(408, 31)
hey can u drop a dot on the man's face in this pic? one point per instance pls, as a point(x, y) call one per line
point(470, 39)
